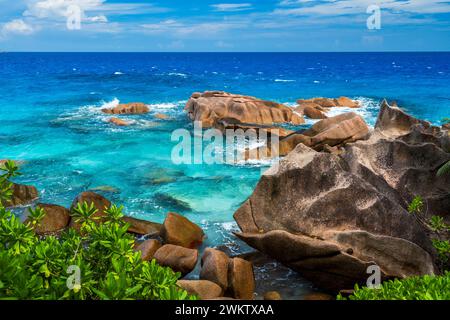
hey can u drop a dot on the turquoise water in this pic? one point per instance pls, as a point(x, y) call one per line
point(51, 120)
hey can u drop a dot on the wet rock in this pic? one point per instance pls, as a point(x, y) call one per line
point(446, 126)
point(346, 102)
point(143, 227)
point(204, 289)
point(22, 195)
point(213, 105)
point(241, 280)
point(148, 249)
point(128, 108)
point(215, 267)
point(179, 259)
point(272, 295)
point(119, 122)
point(55, 220)
point(105, 189)
point(178, 230)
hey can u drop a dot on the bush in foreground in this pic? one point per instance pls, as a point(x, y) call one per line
point(416, 288)
point(96, 262)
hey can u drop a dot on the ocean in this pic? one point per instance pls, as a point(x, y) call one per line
point(51, 122)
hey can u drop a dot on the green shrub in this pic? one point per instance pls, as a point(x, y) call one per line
point(33, 267)
point(416, 288)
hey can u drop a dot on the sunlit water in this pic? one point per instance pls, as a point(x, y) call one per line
point(50, 119)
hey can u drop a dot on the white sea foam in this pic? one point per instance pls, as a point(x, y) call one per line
point(109, 104)
point(284, 80)
point(178, 74)
point(118, 73)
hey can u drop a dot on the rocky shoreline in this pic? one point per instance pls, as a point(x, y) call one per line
point(336, 204)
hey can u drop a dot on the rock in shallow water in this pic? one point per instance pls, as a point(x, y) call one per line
point(128, 108)
point(210, 106)
point(330, 216)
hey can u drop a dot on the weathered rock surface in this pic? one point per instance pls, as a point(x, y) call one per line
point(22, 195)
point(316, 108)
point(179, 231)
point(204, 289)
point(215, 267)
point(179, 259)
point(241, 280)
point(119, 122)
point(56, 219)
point(234, 275)
point(210, 106)
point(148, 249)
point(331, 132)
point(331, 216)
point(128, 108)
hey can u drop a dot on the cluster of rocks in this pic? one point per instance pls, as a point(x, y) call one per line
point(172, 244)
point(133, 108)
point(332, 215)
point(316, 108)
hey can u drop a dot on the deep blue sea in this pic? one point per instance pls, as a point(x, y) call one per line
point(50, 119)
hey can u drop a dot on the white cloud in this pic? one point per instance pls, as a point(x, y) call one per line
point(341, 7)
point(17, 26)
point(231, 7)
point(59, 8)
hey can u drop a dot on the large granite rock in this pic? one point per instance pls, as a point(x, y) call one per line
point(331, 216)
point(143, 227)
point(178, 230)
point(316, 108)
point(179, 259)
point(148, 249)
point(210, 106)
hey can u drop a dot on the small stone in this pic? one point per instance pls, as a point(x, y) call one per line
point(272, 295)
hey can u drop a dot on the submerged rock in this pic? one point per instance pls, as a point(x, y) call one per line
point(204, 289)
point(165, 200)
point(330, 216)
point(128, 108)
point(210, 106)
point(55, 220)
point(178, 230)
point(22, 195)
point(119, 122)
point(179, 259)
point(161, 116)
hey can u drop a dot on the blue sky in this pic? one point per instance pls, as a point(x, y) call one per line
point(227, 25)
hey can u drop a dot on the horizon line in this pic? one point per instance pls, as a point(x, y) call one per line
point(388, 51)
